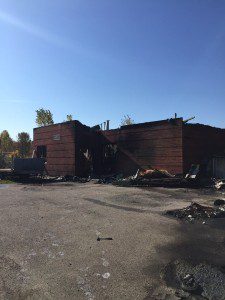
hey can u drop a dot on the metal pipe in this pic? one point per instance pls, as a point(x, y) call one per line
point(107, 125)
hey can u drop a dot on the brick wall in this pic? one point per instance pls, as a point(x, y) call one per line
point(147, 145)
point(60, 142)
point(168, 144)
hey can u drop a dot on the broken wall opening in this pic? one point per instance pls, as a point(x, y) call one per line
point(41, 151)
point(109, 157)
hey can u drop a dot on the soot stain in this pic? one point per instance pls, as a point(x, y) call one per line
point(193, 243)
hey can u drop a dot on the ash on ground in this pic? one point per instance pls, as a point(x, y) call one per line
point(196, 211)
point(201, 281)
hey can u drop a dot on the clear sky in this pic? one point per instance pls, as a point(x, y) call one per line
point(101, 59)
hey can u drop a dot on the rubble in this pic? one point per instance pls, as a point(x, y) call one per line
point(193, 172)
point(151, 177)
point(196, 211)
point(142, 178)
point(160, 178)
point(219, 184)
point(153, 173)
point(71, 179)
point(107, 179)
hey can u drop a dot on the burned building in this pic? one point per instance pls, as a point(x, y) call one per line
point(65, 147)
point(71, 148)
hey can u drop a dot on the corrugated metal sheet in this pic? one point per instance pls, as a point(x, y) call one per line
point(218, 167)
point(201, 143)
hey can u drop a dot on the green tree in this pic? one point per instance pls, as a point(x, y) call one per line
point(126, 120)
point(69, 118)
point(24, 144)
point(44, 117)
point(6, 142)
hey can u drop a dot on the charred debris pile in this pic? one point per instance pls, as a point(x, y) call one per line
point(162, 178)
point(199, 212)
point(150, 177)
point(142, 178)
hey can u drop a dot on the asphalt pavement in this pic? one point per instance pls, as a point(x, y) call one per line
point(89, 241)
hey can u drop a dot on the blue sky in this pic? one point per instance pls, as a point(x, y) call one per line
point(102, 59)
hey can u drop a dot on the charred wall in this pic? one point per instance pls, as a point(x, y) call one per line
point(147, 145)
point(87, 150)
point(200, 143)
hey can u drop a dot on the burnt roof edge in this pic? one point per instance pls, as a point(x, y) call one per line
point(203, 126)
point(75, 122)
point(151, 123)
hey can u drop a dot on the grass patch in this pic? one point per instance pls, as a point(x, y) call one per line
point(6, 181)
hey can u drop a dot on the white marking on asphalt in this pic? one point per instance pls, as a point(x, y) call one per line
point(85, 287)
point(50, 255)
point(105, 262)
point(32, 253)
point(47, 252)
point(55, 244)
point(98, 233)
point(106, 275)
